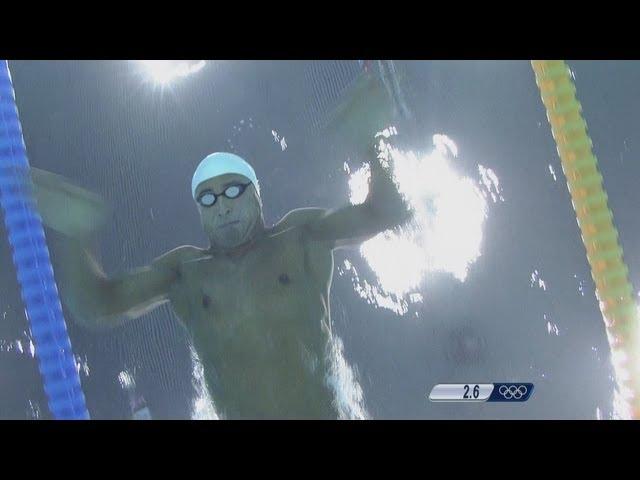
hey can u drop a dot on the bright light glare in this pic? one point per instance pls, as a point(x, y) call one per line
point(164, 72)
point(446, 233)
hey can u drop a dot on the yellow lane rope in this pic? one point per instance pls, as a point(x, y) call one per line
point(599, 235)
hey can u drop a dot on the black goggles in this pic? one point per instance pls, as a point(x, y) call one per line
point(208, 198)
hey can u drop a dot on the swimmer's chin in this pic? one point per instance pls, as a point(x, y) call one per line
point(228, 237)
point(231, 237)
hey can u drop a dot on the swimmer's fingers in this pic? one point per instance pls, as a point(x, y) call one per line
point(67, 208)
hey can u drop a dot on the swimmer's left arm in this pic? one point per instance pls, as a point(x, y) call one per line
point(383, 209)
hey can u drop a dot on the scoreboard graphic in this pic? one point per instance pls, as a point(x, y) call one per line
point(481, 392)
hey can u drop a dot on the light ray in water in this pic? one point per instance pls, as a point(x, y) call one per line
point(622, 396)
point(341, 378)
point(202, 408)
point(446, 232)
point(126, 380)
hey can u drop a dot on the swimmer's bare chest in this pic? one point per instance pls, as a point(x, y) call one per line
point(260, 323)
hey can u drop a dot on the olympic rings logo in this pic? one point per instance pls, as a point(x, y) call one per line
point(512, 392)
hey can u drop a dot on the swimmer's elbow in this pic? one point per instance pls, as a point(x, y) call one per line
point(98, 301)
point(121, 300)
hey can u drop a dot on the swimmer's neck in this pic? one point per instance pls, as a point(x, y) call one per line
point(258, 233)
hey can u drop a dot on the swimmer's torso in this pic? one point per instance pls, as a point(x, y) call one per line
point(260, 324)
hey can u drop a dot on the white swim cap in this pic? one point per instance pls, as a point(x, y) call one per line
point(220, 163)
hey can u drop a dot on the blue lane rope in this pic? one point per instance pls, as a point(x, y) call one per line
point(33, 266)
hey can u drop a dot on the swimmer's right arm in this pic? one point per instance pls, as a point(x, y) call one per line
point(98, 301)
point(94, 299)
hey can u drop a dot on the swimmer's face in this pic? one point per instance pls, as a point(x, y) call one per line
point(229, 222)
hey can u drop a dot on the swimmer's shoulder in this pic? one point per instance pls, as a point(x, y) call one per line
point(299, 218)
point(175, 258)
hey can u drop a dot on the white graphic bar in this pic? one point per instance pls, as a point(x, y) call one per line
point(461, 392)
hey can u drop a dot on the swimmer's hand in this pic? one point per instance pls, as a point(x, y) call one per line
point(67, 208)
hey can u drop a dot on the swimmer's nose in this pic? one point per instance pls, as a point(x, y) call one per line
point(224, 211)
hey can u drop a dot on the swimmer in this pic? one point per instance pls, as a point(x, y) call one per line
point(255, 301)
